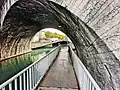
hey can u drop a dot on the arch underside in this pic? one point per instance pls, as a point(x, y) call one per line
point(26, 18)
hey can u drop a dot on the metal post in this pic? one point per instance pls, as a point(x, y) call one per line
point(3, 88)
point(20, 78)
point(10, 86)
point(30, 79)
point(24, 81)
point(15, 81)
point(27, 81)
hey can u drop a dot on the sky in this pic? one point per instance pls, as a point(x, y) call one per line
point(53, 30)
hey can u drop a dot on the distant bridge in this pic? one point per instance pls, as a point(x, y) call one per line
point(56, 43)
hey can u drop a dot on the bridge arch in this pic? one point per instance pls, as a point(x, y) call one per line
point(27, 17)
point(4, 8)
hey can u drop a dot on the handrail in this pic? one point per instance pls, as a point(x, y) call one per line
point(31, 75)
point(85, 80)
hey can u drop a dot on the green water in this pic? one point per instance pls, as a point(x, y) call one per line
point(10, 67)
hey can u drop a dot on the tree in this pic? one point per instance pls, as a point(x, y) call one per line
point(54, 35)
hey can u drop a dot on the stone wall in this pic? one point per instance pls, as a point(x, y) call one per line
point(92, 50)
point(27, 17)
point(21, 23)
point(4, 8)
point(103, 16)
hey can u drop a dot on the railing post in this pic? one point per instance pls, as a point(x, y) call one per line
point(27, 81)
point(35, 66)
point(30, 76)
point(10, 86)
point(20, 78)
point(3, 88)
point(32, 70)
point(15, 81)
point(24, 81)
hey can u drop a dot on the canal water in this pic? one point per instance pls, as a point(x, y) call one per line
point(12, 66)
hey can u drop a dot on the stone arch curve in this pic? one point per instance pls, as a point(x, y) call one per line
point(4, 8)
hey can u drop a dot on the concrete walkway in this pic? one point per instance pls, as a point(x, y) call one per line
point(61, 75)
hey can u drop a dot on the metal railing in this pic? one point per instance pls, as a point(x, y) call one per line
point(85, 80)
point(29, 78)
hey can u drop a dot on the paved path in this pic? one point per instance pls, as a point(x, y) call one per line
point(61, 75)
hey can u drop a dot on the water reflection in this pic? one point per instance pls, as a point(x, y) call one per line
point(10, 67)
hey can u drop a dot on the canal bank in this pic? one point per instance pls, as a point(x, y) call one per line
point(12, 66)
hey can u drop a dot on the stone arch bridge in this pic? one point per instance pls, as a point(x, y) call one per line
point(92, 25)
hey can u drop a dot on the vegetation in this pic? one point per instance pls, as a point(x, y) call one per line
point(54, 35)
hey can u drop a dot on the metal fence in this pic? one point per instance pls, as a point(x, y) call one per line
point(85, 80)
point(29, 78)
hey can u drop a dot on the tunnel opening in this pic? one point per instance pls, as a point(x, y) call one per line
point(25, 19)
point(47, 36)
